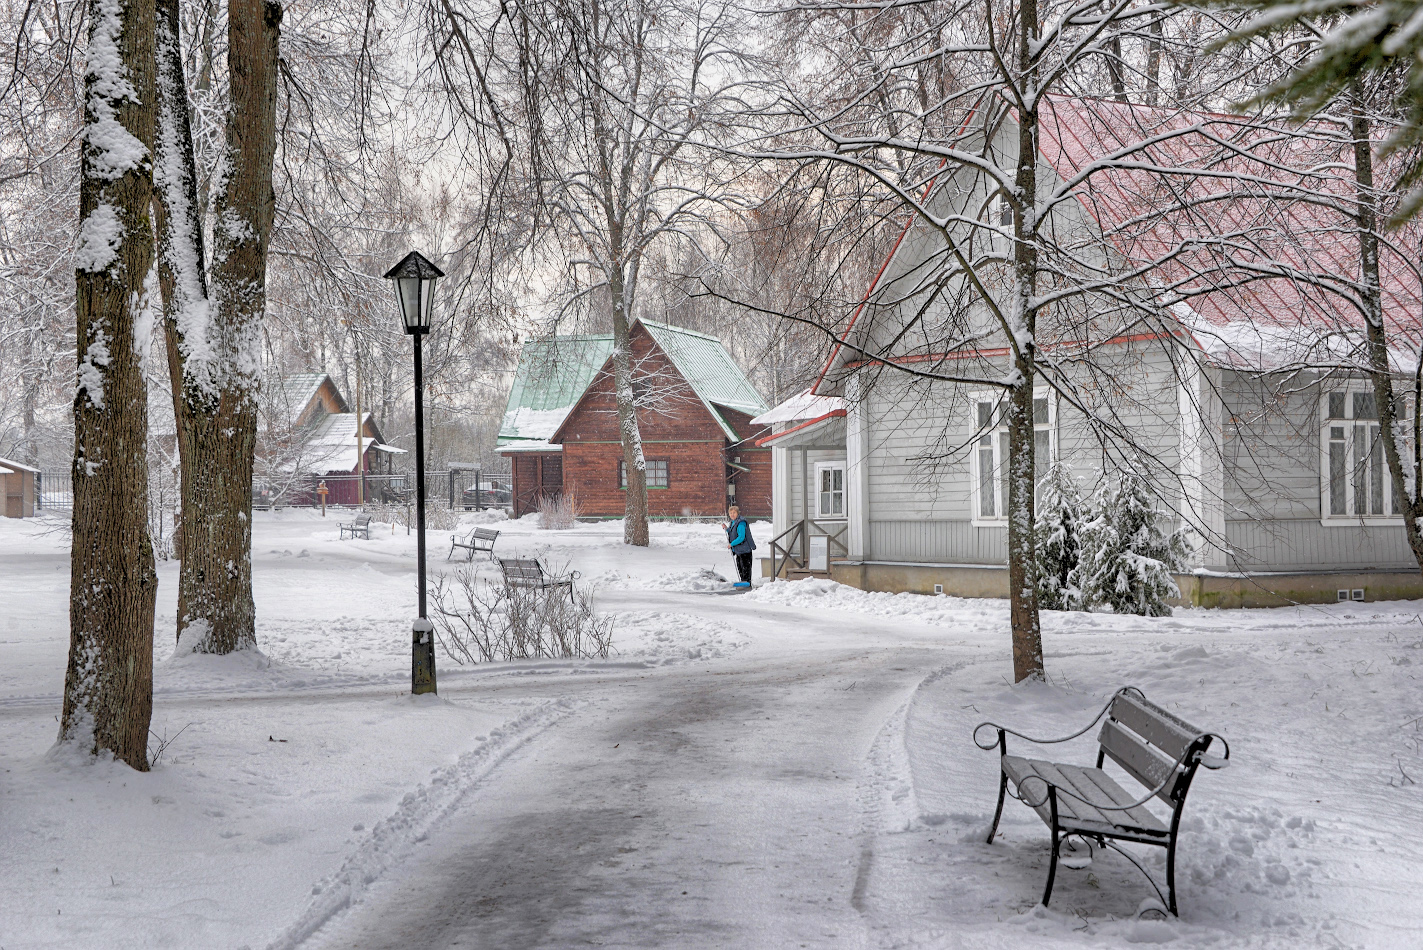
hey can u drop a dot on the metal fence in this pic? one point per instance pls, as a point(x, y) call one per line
point(456, 490)
point(54, 491)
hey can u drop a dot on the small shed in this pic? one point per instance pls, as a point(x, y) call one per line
point(18, 482)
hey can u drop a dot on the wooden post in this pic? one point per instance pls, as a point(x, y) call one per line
point(322, 490)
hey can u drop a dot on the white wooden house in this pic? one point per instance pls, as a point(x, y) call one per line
point(888, 481)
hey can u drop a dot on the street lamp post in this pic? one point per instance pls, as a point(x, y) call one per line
point(414, 279)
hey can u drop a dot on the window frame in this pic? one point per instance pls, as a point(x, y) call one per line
point(998, 444)
point(650, 463)
point(1350, 422)
point(831, 465)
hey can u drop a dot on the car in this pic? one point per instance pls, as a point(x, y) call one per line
point(488, 495)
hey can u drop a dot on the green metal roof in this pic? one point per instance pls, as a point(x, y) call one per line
point(554, 373)
point(552, 376)
point(713, 375)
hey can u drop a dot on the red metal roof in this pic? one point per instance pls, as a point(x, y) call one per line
point(1226, 223)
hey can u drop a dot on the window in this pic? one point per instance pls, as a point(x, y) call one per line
point(1356, 481)
point(830, 490)
point(990, 452)
point(656, 473)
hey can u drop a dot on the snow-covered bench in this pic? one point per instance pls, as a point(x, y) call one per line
point(1154, 747)
point(480, 539)
point(361, 527)
point(529, 574)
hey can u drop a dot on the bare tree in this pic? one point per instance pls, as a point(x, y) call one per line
point(594, 106)
point(214, 341)
point(108, 687)
point(1054, 272)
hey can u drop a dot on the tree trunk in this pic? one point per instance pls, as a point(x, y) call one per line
point(218, 407)
point(1402, 471)
point(182, 267)
point(1153, 64)
point(108, 686)
point(1114, 66)
point(1022, 547)
point(634, 464)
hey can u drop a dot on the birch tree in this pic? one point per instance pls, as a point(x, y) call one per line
point(108, 687)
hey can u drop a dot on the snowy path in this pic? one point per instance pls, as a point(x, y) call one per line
point(796, 760)
point(678, 809)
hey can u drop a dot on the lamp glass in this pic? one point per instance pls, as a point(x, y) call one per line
point(407, 291)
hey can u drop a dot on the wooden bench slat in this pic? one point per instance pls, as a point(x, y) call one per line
point(1094, 785)
point(1144, 765)
point(1167, 732)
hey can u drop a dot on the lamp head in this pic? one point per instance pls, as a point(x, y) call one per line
point(414, 278)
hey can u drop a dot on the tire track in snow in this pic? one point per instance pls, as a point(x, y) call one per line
point(390, 841)
point(887, 799)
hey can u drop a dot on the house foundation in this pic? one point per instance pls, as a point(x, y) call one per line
point(1266, 589)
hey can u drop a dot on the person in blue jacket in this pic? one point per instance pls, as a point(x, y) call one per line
point(738, 538)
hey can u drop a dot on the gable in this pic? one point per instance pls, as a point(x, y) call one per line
point(552, 375)
point(679, 415)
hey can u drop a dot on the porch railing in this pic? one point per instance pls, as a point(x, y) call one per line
point(792, 546)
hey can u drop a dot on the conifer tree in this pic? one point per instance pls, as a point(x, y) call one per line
point(1060, 517)
point(1126, 560)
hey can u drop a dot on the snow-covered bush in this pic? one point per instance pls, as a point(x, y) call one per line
point(1125, 560)
point(558, 512)
point(1060, 517)
point(479, 621)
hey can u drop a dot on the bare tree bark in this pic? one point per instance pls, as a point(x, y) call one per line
point(218, 341)
point(108, 687)
point(1022, 544)
point(1376, 347)
point(634, 464)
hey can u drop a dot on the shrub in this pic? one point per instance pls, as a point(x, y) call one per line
point(478, 621)
point(1125, 559)
point(1060, 517)
point(558, 512)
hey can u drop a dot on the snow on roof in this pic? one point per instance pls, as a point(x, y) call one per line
point(801, 406)
point(295, 393)
point(552, 376)
point(12, 465)
point(331, 443)
point(6, 471)
point(1278, 251)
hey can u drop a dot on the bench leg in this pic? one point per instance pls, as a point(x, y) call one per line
point(1171, 876)
point(998, 812)
point(1056, 844)
point(1052, 867)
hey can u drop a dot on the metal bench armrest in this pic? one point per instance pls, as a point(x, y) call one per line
point(1004, 729)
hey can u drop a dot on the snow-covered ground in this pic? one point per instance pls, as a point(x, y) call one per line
point(788, 767)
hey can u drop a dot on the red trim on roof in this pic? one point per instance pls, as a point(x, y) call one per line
point(771, 438)
point(1004, 351)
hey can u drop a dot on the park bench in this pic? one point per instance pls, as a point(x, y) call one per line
point(1154, 747)
point(480, 539)
point(527, 573)
point(361, 527)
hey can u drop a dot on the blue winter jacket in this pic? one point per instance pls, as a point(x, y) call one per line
point(738, 535)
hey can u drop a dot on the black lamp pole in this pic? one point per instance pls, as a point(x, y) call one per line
point(414, 279)
point(422, 655)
